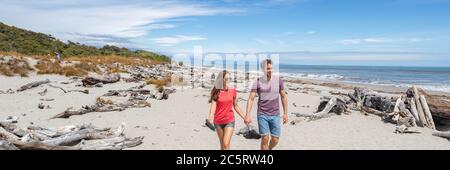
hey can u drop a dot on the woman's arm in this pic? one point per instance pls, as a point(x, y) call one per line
point(212, 111)
point(237, 108)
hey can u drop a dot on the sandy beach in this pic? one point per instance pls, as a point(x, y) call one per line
point(178, 122)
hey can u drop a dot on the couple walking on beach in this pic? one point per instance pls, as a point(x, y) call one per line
point(269, 88)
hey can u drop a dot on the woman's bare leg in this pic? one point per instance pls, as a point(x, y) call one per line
point(220, 135)
point(227, 133)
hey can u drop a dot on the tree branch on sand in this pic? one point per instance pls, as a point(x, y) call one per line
point(33, 85)
point(103, 105)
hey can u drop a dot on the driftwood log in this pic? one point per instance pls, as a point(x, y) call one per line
point(89, 81)
point(442, 134)
point(68, 91)
point(327, 107)
point(413, 110)
point(116, 143)
point(422, 118)
point(160, 94)
point(33, 85)
point(5, 145)
point(404, 111)
point(439, 105)
point(103, 105)
point(84, 137)
point(405, 129)
point(124, 93)
point(427, 112)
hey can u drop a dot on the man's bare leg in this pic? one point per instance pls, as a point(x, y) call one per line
point(273, 142)
point(265, 142)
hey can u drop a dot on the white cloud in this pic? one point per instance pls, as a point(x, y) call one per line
point(351, 56)
point(129, 19)
point(363, 41)
point(380, 40)
point(173, 40)
point(414, 40)
point(374, 40)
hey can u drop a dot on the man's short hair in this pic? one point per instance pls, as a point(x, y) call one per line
point(265, 62)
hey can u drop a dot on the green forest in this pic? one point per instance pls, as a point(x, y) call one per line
point(13, 39)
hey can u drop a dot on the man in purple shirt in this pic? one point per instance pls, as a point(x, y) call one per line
point(268, 87)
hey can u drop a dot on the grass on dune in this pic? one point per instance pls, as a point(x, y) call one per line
point(11, 66)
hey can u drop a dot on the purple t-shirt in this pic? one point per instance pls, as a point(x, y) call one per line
point(268, 92)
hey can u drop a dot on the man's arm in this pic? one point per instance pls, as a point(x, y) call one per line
point(251, 98)
point(284, 102)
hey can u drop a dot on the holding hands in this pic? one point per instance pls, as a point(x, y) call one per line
point(247, 119)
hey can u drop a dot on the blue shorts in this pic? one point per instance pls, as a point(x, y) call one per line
point(269, 124)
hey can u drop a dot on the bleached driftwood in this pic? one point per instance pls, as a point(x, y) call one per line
point(422, 120)
point(402, 110)
point(330, 104)
point(87, 109)
point(5, 145)
point(427, 112)
point(88, 81)
point(8, 136)
point(109, 106)
point(413, 109)
point(327, 108)
point(116, 143)
point(124, 93)
point(439, 105)
point(405, 129)
point(68, 91)
point(442, 134)
point(32, 85)
point(10, 127)
point(40, 146)
point(314, 116)
point(86, 137)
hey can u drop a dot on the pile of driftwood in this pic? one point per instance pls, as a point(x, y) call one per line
point(139, 93)
point(73, 137)
point(415, 108)
point(137, 98)
point(140, 73)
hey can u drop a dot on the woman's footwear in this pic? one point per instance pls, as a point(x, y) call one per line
point(208, 124)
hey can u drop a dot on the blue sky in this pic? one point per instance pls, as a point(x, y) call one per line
point(356, 32)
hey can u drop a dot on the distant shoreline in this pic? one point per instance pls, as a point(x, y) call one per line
point(388, 88)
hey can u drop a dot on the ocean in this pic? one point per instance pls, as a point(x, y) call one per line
point(430, 78)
